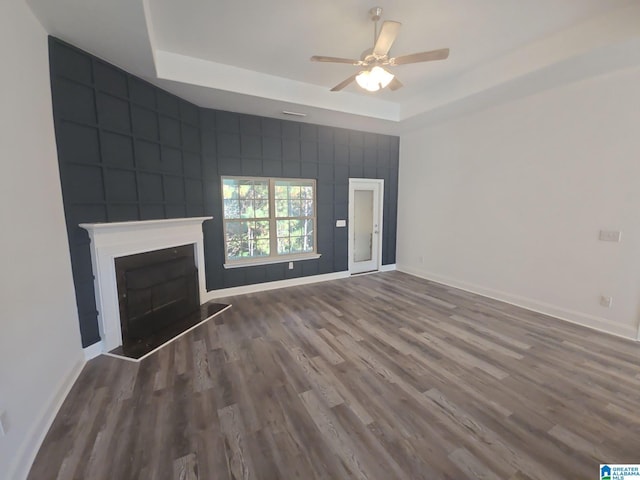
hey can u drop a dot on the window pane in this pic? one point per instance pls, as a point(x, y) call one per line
point(262, 190)
point(282, 208)
point(231, 209)
point(229, 188)
point(294, 191)
point(296, 244)
point(296, 227)
point(308, 227)
point(284, 245)
point(282, 193)
point(295, 207)
point(261, 208)
point(262, 230)
point(306, 208)
point(246, 209)
point(235, 233)
point(307, 191)
point(307, 243)
point(247, 239)
point(245, 189)
point(262, 248)
point(301, 244)
point(283, 228)
point(235, 228)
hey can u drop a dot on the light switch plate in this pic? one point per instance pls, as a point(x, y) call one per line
point(610, 235)
point(3, 428)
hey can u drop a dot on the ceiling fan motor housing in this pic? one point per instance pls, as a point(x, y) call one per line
point(376, 13)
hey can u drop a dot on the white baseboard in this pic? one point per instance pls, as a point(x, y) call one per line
point(263, 287)
point(27, 455)
point(572, 316)
point(388, 268)
point(92, 351)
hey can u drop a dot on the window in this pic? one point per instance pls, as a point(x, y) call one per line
point(268, 220)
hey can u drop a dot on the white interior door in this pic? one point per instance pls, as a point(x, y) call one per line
point(365, 224)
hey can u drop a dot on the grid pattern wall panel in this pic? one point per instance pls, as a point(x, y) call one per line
point(246, 145)
point(127, 151)
point(131, 151)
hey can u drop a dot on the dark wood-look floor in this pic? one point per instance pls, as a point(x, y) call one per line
point(380, 376)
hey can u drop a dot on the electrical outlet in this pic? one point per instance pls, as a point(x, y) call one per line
point(606, 301)
point(290, 265)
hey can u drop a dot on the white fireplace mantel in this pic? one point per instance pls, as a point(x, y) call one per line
point(118, 239)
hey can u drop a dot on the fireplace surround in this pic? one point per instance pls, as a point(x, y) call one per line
point(110, 241)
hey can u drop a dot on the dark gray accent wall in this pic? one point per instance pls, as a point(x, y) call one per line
point(131, 151)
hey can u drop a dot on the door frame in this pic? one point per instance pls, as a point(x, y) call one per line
point(379, 191)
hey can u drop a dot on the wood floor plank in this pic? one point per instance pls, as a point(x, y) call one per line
point(185, 468)
point(303, 433)
point(207, 439)
point(338, 440)
point(470, 465)
point(202, 380)
point(382, 376)
point(320, 384)
point(237, 451)
point(343, 391)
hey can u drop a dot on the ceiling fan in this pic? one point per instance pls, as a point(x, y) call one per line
point(374, 77)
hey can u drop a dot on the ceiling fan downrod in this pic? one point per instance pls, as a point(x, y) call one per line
point(376, 13)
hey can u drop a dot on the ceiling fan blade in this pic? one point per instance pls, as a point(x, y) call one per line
point(395, 84)
point(386, 37)
point(421, 57)
point(320, 58)
point(344, 83)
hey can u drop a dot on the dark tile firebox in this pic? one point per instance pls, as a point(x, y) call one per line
point(156, 291)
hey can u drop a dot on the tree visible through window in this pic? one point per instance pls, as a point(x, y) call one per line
point(268, 218)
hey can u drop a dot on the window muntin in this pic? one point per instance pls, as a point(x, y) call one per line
point(267, 218)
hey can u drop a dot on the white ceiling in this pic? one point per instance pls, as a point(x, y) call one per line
point(279, 36)
point(253, 56)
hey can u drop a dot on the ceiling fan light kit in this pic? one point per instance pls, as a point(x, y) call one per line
point(374, 77)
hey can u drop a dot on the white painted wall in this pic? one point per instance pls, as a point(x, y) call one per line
point(40, 350)
point(509, 201)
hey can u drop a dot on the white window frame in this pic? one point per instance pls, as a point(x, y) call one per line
point(274, 256)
